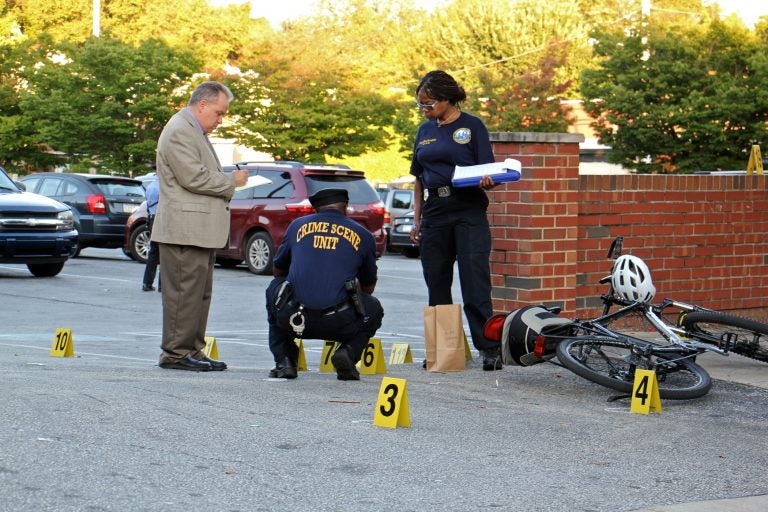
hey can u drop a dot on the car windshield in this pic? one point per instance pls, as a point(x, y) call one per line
point(360, 191)
point(5, 182)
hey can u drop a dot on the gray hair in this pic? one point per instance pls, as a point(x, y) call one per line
point(210, 91)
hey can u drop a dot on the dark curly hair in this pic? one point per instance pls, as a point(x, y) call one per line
point(441, 86)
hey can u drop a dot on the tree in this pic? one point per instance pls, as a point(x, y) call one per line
point(681, 99)
point(307, 118)
point(68, 20)
point(20, 146)
point(102, 103)
point(216, 35)
point(223, 36)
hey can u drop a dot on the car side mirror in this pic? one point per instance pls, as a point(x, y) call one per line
point(21, 186)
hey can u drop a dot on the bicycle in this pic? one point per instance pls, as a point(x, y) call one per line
point(606, 356)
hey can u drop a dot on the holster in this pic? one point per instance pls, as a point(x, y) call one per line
point(352, 286)
point(284, 295)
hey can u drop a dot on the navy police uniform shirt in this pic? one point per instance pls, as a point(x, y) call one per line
point(438, 149)
point(323, 250)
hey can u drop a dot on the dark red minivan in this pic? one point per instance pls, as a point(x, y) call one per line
point(276, 193)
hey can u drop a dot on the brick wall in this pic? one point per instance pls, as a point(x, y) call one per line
point(705, 238)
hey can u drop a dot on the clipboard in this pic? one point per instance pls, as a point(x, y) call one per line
point(501, 172)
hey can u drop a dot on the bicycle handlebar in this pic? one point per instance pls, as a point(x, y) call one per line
point(614, 251)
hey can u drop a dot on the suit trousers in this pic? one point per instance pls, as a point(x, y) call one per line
point(187, 275)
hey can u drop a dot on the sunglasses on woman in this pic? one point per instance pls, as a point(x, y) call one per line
point(426, 106)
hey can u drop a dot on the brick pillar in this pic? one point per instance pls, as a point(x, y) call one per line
point(534, 222)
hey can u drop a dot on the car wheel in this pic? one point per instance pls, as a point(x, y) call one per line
point(79, 229)
point(138, 244)
point(259, 253)
point(45, 269)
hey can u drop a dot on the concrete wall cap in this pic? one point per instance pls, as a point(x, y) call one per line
point(539, 137)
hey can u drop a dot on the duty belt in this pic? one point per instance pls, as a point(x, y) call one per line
point(341, 306)
point(444, 191)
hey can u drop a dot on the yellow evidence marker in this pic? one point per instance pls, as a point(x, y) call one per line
point(400, 353)
point(467, 350)
point(329, 347)
point(372, 360)
point(392, 404)
point(63, 344)
point(302, 363)
point(211, 349)
point(645, 393)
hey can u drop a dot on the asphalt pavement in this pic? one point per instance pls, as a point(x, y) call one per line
point(109, 430)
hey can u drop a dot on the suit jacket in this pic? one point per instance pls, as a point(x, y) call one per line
point(194, 192)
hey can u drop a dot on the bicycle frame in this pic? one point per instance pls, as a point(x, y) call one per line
point(676, 336)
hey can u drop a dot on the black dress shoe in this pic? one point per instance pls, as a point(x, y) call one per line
point(147, 288)
point(345, 367)
point(286, 369)
point(189, 364)
point(217, 366)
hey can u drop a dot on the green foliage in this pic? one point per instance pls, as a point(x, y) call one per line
point(20, 147)
point(102, 101)
point(370, 41)
point(381, 166)
point(307, 119)
point(680, 100)
point(216, 35)
point(64, 20)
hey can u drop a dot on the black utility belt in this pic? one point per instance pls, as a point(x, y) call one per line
point(444, 191)
point(341, 306)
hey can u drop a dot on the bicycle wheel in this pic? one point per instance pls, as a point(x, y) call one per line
point(611, 362)
point(744, 336)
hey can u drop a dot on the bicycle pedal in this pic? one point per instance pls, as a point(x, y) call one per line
point(727, 341)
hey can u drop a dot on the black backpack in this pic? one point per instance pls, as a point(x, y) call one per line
point(530, 335)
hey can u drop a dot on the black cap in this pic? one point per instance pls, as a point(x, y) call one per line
point(328, 196)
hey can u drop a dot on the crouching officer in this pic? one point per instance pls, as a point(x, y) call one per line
point(325, 272)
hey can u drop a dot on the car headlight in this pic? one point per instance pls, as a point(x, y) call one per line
point(65, 221)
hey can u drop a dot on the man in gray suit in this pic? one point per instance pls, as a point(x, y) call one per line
point(191, 222)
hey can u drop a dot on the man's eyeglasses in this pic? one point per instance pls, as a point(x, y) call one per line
point(427, 106)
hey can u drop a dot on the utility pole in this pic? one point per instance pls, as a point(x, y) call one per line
point(96, 18)
point(645, 7)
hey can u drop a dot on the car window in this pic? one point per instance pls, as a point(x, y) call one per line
point(31, 183)
point(280, 185)
point(119, 188)
point(5, 181)
point(50, 187)
point(266, 184)
point(68, 188)
point(360, 191)
point(402, 199)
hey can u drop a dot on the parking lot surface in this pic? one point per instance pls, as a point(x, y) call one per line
point(109, 430)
